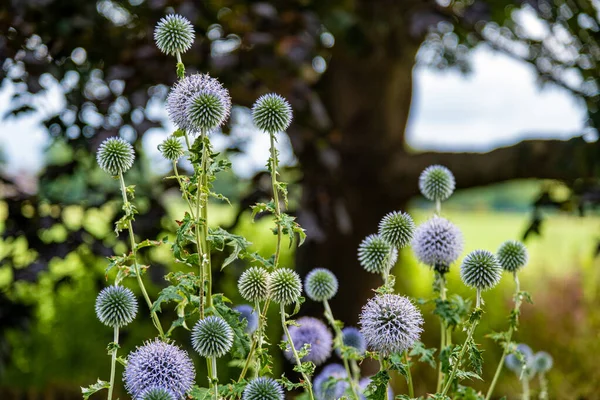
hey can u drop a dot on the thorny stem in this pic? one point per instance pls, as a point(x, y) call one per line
point(339, 336)
point(296, 357)
point(138, 272)
point(113, 363)
point(411, 389)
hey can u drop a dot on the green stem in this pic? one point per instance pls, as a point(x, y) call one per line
point(382, 367)
point(443, 344)
point(136, 266)
point(296, 357)
point(340, 340)
point(214, 377)
point(204, 233)
point(355, 371)
point(113, 363)
point(411, 389)
point(463, 348)
point(543, 386)
point(438, 207)
point(257, 341)
point(274, 164)
point(525, 386)
point(183, 189)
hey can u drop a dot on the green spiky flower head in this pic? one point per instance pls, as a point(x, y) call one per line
point(157, 393)
point(320, 284)
point(207, 111)
point(115, 155)
point(376, 255)
point(254, 284)
point(512, 255)
point(480, 270)
point(174, 34)
point(212, 337)
point(285, 286)
point(116, 306)
point(263, 389)
point(436, 183)
point(171, 148)
point(397, 228)
point(272, 113)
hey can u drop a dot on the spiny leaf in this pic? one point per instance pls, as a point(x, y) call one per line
point(94, 388)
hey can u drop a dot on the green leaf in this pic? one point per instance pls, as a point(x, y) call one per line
point(241, 341)
point(198, 393)
point(150, 243)
point(180, 70)
point(112, 347)
point(96, 387)
point(425, 355)
point(475, 357)
point(168, 294)
point(377, 388)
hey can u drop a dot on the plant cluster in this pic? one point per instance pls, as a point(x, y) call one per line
point(390, 324)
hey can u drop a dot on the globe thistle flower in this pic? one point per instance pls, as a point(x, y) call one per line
point(542, 362)
point(250, 315)
point(313, 332)
point(174, 34)
point(171, 148)
point(437, 243)
point(352, 337)
point(254, 284)
point(480, 270)
point(513, 362)
point(212, 337)
point(157, 393)
point(390, 323)
point(512, 255)
point(263, 389)
point(285, 286)
point(272, 113)
point(376, 255)
point(158, 364)
point(320, 284)
point(116, 306)
point(325, 389)
point(364, 382)
point(115, 155)
point(397, 228)
point(436, 183)
point(198, 102)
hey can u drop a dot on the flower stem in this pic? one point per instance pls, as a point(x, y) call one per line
point(296, 357)
point(257, 341)
point(383, 367)
point(183, 190)
point(274, 164)
point(138, 272)
point(543, 386)
point(204, 206)
point(442, 288)
point(411, 389)
point(214, 377)
point(525, 386)
point(113, 363)
point(340, 340)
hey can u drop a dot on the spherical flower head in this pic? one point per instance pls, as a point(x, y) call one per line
point(251, 317)
point(512, 255)
point(272, 113)
point(263, 389)
point(115, 155)
point(320, 284)
point(376, 255)
point(212, 337)
point(390, 323)
point(171, 148)
point(188, 103)
point(437, 243)
point(157, 393)
point(514, 363)
point(352, 337)
point(285, 286)
point(313, 332)
point(159, 364)
point(436, 183)
point(364, 382)
point(254, 284)
point(331, 383)
point(174, 34)
point(542, 362)
point(116, 306)
point(480, 270)
point(397, 228)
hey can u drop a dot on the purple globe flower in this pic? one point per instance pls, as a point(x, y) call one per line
point(437, 243)
point(364, 382)
point(330, 384)
point(352, 337)
point(158, 364)
point(390, 323)
point(514, 363)
point(248, 313)
point(313, 332)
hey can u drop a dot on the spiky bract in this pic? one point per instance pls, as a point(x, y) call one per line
point(254, 284)
point(320, 284)
point(516, 362)
point(397, 228)
point(313, 332)
point(174, 34)
point(116, 306)
point(436, 183)
point(376, 255)
point(212, 337)
point(512, 255)
point(272, 113)
point(191, 117)
point(285, 286)
point(158, 364)
point(390, 323)
point(263, 389)
point(171, 148)
point(250, 315)
point(480, 270)
point(331, 383)
point(115, 155)
point(542, 362)
point(437, 243)
point(352, 337)
point(157, 393)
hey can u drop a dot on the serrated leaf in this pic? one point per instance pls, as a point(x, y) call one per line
point(425, 355)
point(94, 388)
